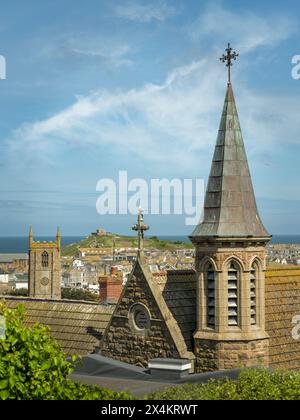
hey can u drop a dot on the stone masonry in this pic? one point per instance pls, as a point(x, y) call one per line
point(123, 341)
point(214, 355)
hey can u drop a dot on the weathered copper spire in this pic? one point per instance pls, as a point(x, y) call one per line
point(230, 208)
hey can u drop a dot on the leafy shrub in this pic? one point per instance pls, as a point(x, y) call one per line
point(17, 292)
point(253, 384)
point(33, 366)
point(79, 294)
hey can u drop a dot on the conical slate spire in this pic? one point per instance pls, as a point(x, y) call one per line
point(230, 208)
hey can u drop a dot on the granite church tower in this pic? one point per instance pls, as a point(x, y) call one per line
point(44, 268)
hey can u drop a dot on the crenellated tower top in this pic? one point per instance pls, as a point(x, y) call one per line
point(44, 244)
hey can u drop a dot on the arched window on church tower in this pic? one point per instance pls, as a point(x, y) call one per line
point(45, 259)
point(233, 294)
point(211, 296)
point(253, 292)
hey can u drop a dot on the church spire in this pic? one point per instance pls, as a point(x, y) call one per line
point(230, 208)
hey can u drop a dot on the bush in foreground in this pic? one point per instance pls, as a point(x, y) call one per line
point(253, 384)
point(33, 366)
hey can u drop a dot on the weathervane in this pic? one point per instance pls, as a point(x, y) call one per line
point(228, 58)
point(140, 227)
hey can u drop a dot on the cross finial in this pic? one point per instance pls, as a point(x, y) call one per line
point(140, 227)
point(228, 58)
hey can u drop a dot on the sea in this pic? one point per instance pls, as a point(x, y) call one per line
point(19, 244)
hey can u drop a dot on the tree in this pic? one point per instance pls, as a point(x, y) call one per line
point(33, 366)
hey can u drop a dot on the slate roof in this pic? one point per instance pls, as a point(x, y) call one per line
point(77, 326)
point(9, 258)
point(230, 208)
point(282, 308)
point(178, 289)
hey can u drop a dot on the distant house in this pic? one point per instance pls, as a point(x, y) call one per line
point(4, 276)
point(14, 261)
point(166, 266)
point(18, 281)
point(99, 232)
point(154, 268)
point(73, 278)
point(77, 262)
point(93, 252)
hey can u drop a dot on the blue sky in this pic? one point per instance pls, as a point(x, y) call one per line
point(100, 86)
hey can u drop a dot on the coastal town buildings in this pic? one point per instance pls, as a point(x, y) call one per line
point(285, 254)
point(219, 306)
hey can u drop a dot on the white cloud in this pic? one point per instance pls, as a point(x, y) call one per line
point(88, 46)
point(246, 29)
point(174, 122)
point(142, 12)
point(153, 122)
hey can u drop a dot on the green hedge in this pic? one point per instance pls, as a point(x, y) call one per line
point(253, 384)
point(33, 366)
point(79, 294)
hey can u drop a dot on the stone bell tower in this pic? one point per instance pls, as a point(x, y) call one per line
point(44, 268)
point(230, 245)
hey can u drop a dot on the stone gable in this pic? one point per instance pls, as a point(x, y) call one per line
point(162, 337)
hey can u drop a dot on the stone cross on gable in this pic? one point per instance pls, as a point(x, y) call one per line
point(228, 58)
point(140, 227)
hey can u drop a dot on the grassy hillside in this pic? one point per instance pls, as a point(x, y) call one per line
point(106, 241)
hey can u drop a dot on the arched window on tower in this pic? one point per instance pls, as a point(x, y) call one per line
point(211, 296)
point(45, 259)
point(253, 291)
point(233, 294)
